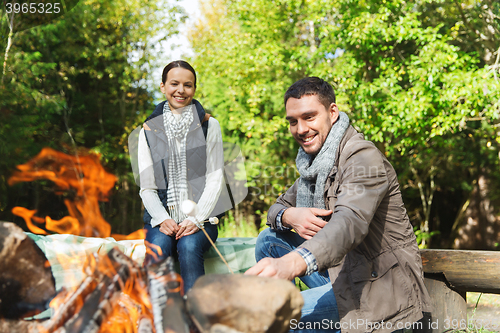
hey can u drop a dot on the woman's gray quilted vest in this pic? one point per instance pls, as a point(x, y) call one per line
point(196, 153)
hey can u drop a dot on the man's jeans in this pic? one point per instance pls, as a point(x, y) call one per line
point(188, 250)
point(319, 313)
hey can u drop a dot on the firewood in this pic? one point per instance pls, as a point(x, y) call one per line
point(93, 301)
point(11, 326)
point(21, 259)
point(166, 291)
point(72, 303)
point(145, 325)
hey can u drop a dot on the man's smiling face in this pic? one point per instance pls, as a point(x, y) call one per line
point(310, 122)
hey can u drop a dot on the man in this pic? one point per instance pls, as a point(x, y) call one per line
point(353, 243)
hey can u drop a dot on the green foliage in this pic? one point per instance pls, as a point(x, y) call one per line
point(423, 237)
point(76, 82)
point(229, 227)
point(413, 76)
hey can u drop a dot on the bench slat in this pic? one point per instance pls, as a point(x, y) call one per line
point(477, 271)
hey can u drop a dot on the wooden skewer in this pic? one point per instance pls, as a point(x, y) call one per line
point(190, 208)
point(216, 249)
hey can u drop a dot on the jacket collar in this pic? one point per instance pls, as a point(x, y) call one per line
point(349, 133)
point(155, 120)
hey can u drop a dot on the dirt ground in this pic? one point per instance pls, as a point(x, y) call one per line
point(487, 312)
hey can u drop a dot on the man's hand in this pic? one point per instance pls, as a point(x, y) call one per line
point(287, 267)
point(186, 227)
point(169, 227)
point(304, 220)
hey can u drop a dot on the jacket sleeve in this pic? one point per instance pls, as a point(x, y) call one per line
point(285, 200)
point(360, 186)
point(149, 190)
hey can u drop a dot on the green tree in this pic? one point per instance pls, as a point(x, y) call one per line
point(409, 75)
point(247, 54)
point(79, 81)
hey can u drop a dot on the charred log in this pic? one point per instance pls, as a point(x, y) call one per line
point(167, 291)
point(21, 259)
point(89, 305)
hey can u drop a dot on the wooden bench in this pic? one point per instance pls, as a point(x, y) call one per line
point(449, 274)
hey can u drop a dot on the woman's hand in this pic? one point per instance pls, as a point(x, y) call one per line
point(186, 227)
point(169, 227)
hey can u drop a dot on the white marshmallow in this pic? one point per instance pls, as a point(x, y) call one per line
point(189, 207)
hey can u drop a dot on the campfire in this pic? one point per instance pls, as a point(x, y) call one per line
point(117, 294)
point(114, 295)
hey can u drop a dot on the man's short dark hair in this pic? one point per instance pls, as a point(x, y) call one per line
point(312, 86)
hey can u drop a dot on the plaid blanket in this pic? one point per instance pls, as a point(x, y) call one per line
point(67, 254)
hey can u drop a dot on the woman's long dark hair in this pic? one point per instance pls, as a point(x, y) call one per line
point(178, 63)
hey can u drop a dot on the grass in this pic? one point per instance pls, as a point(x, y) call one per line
point(483, 299)
point(299, 284)
point(229, 227)
point(483, 311)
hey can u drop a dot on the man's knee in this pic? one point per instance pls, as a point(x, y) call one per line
point(273, 244)
point(264, 234)
point(262, 244)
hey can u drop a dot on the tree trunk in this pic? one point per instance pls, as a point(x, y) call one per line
point(480, 227)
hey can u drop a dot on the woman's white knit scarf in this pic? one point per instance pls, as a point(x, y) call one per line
point(177, 128)
point(314, 169)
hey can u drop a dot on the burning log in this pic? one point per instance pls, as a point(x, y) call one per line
point(73, 303)
point(145, 325)
point(119, 295)
point(20, 260)
point(87, 308)
point(111, 278)
point(166, 290)
point(160, 299)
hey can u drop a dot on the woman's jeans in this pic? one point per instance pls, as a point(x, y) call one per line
point(320, 312)
point(188, 250)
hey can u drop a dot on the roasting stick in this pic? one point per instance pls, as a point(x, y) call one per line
point(190, 208)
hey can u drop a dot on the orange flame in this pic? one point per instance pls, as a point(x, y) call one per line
point(85, 176)
point(127, 306)
point(82, 174)
point(150, 249)
point(138, 234)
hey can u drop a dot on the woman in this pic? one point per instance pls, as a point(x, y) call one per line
point(180, 158)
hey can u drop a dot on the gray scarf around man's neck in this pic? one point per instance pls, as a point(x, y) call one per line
point(314, 170)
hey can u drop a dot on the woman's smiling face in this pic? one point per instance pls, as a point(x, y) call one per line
point(178, 88)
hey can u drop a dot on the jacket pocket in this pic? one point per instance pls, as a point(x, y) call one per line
point(371, 270)
point(331, 195)
point(380, 287)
